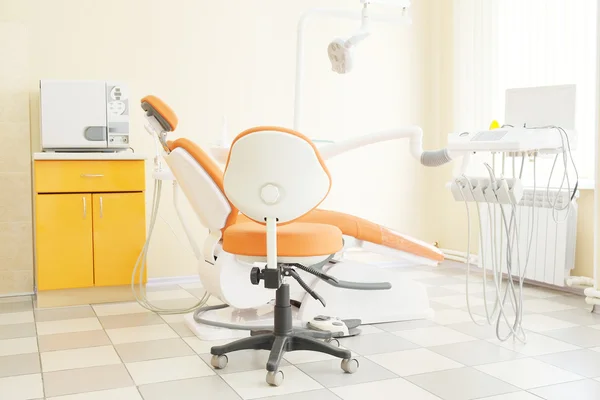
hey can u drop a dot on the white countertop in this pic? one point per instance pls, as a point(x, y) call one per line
point(123, 155)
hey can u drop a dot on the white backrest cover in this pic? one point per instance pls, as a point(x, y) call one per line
point(205, 197)
point(275, 172)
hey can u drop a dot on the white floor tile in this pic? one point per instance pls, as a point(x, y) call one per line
point(103, 310)
point(581, 362)
point(252, 384)
point(420, 275)
point(68, 325)
point(578, 316)
point(412, 362)
point(169, 295)
point(16, 318)
point(389, 389)
point(305, 356)
point(434, 336)
point(141, 333)
point(513, 396)
point(79, 358)
point(458, 301)
point(22, 387)
point(168, 369)
point(474, 287)
point(173, 318)
point(580, 390)
point(540, 293)
point(544, 306)
point(483, 332)
point(11, 347)
point(528, 373)
point(477, 352)
point(203, 346)
point(447, 317)
point(596, 349)
point(595, 326)
point(537, 345)
point(205, 388)
point(369, 329)
point(461, 384)
point(130, 393)
point(541, 323)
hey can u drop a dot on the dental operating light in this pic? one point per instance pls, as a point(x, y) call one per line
point(341, 50)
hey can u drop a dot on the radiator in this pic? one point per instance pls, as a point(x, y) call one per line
point(552, 254)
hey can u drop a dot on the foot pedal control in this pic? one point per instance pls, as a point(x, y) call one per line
point(338, 328)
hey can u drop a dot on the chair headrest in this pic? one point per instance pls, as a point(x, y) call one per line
point(155, 107)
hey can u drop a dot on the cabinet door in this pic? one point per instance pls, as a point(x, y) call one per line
point(64, 249)
point(119, 235)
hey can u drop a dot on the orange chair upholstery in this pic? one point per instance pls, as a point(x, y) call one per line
point(367, 231)
point(293, 240)
point(349, 225)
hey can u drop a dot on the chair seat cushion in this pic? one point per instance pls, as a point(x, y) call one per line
point(297, 239)
point(367, 231)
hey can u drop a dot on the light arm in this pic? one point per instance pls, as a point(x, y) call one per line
point(413, 133)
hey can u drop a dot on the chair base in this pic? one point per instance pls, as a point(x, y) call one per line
point(279, 345)
point(283, 339)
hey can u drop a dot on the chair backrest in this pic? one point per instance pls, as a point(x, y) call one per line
point(198, 175)
point(274, 172)
point(201, 180)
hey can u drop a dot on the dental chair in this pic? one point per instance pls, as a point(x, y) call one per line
point(274, 177)
point(235, 242)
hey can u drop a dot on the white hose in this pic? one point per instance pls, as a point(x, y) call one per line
point(511, 292)
point(592, 296)
point(139, 270)
point(580, 281)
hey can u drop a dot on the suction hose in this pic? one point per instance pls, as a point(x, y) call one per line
point(139, 269)
point(435, 158)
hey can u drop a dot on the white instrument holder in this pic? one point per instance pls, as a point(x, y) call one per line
point(501, 191)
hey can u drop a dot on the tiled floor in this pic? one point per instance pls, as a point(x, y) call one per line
point(123, 352)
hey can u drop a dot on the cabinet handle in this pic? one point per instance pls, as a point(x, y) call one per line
point(92, 175)
point(101, 208)
point(84, 209)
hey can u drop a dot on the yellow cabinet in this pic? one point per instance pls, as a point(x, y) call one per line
point(119, 234)
point(90, 222)
point(64, 241)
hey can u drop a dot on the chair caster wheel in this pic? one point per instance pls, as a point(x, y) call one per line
point(334, 342)
point(219, 362)
point(350, 365)
point(275, 378)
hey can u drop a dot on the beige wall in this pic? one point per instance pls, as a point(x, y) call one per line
point(237, 58)
point(16, 250)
